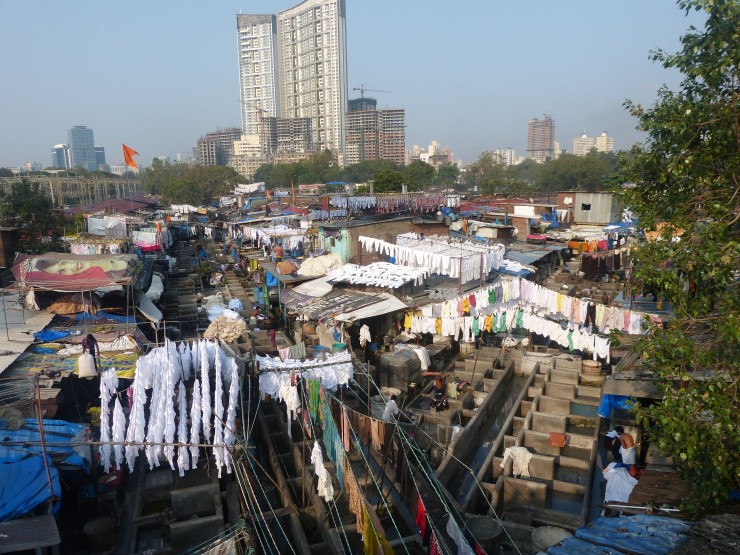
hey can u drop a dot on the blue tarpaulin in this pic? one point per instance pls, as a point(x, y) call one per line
point(17, 444)
point(553, 219)
point(46, 336)
point(574, 546)
point(24, 485)
point(102, 315)
point(270, 280)
point(640, 534)
point(610, 402)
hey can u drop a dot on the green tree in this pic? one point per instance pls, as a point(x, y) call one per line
point(27, 206)
point(160, 174)
point(487, 174)
point(364, 171)
point(687, 178)
point(447, 175)
point(5, 172)
point(197, 185)
point(388, 181)
point(418, 174)
point(569, 172)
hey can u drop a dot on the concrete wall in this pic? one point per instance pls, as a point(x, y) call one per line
point(387, 231)
point(602, 208)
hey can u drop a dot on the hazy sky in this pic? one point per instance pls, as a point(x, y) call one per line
point(158, 74)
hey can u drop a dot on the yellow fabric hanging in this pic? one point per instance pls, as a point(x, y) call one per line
point(407, 321)
point(375, 542)
point(438, 325)
point(371, 541)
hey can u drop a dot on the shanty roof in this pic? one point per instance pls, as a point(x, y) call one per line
point(73, 273)
point(116, 205)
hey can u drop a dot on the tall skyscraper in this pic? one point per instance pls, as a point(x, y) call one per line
point(82, 148)
point(258, 74)
point(100, 157)
point(541, 139)
point(294, 65)
point(60, 157)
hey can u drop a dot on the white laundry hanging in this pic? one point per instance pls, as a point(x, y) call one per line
point(195, 424)
point(183, 454)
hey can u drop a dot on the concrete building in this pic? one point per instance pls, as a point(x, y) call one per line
point(583, 145)
point(60, 157)
point(541, 139)
point(257, 41)
point(604, 143)
point(505, 156)
point(374, 134)
point(100, 157)
point(248, 155)
point(216, 148)
point(292, 135)
point(294, 65)
point(588, 208)
point(82, 148)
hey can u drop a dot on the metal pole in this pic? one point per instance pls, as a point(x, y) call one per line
point(5, 315)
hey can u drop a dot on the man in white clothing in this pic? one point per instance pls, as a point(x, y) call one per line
point(391, 410)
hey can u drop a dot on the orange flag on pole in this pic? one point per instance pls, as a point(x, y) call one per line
point(128, 156)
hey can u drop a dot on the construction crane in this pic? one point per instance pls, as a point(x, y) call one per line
point(362, 88)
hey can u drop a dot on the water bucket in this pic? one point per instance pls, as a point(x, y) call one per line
point(487, 532)
point(591, 367)
point(545, 537)
point(338, 347)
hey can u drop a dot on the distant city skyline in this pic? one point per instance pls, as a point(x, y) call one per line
point(160, 75)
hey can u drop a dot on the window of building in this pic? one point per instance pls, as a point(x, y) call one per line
point(585, 207)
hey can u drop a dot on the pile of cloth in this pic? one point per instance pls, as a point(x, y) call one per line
point(227, 328)
point(321, 265)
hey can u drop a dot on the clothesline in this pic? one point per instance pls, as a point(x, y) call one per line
point(454, 260)
point(164, 371)
point(380, 274)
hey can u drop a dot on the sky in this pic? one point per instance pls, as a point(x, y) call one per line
point(159, 74)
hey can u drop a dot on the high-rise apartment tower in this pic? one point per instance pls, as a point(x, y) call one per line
point(541, 139)
point(294, 65)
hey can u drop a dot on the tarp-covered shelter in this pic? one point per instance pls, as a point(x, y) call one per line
point(73, 273)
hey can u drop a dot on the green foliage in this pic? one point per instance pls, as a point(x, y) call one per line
point(687, 178)
point(27, 206)
point(418, 174)
point(488, 174)
point(388, 181)
point(447, 175)
point(364, 171)
point(183, 184)
point(569, 172)
point(320, 168)
point(5, 172)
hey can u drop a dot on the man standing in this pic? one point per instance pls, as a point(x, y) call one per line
point(627, 448)
point(391, 410)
